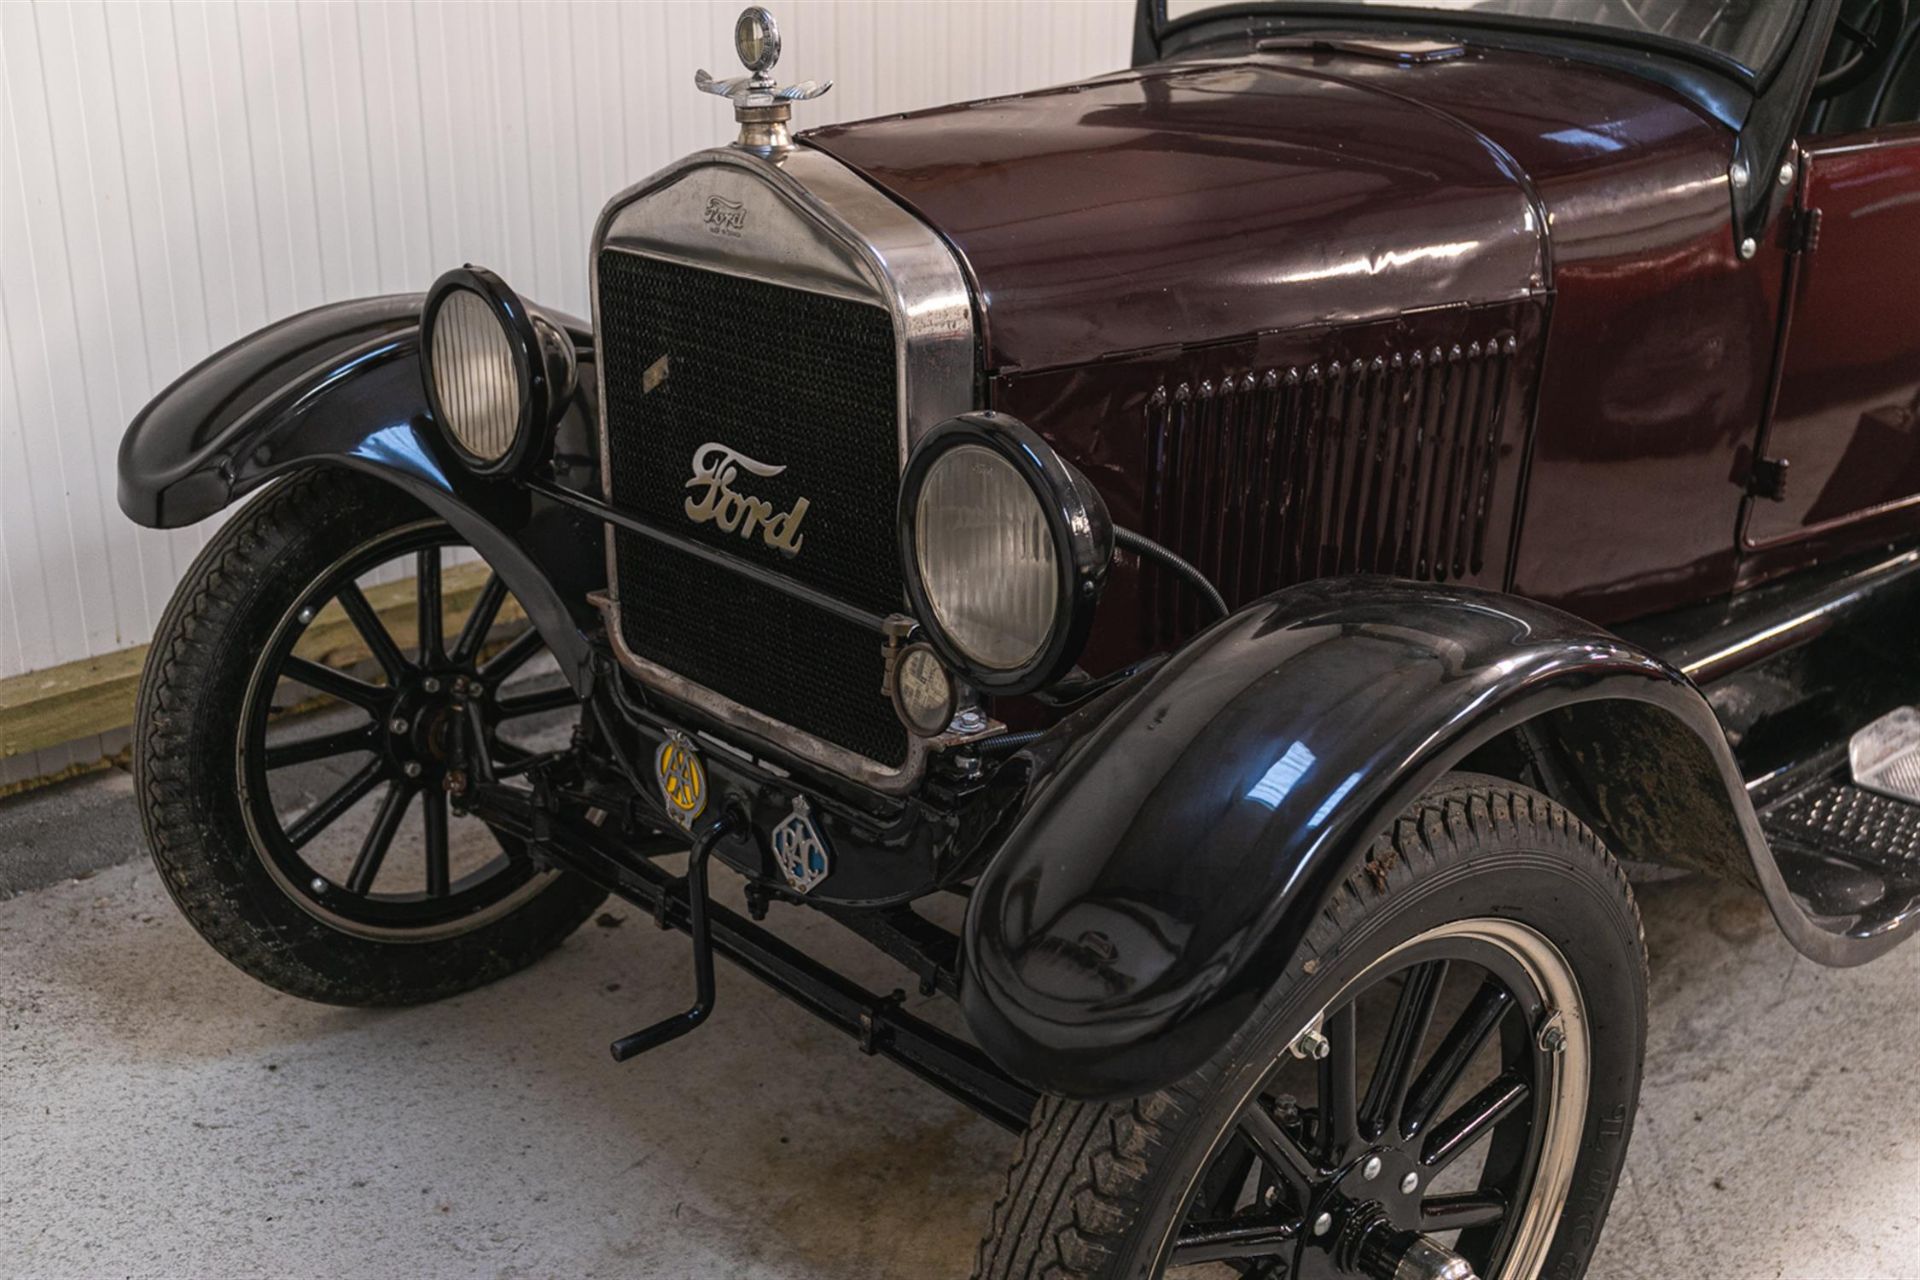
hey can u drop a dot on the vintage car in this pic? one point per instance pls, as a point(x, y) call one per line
point(1218, 568)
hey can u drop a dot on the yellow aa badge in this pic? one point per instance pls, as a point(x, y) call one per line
point(683, 783)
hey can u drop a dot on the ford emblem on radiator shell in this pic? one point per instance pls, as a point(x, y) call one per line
point(725, 217)
point(800, 849)
point(715, 467)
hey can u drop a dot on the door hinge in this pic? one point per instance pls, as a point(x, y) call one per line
point(1803, 230)
point(1768, 479)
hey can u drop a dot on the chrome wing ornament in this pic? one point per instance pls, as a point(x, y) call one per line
point(761, 104)
point(746, 88)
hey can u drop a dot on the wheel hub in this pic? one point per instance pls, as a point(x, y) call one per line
point(1363, 1239)
point(428, 715)
point(1379, 1177)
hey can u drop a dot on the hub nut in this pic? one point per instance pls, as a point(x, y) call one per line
point(1311, 1045)
point(1371, 1169)
point(397, 725)
point(1553, 1033)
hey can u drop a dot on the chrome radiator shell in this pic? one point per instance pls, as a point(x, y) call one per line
point(801, 220)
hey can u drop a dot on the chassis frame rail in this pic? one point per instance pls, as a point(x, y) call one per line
point(877, 1022)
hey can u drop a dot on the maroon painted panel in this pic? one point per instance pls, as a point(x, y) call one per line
point(1317, 476)
point(1150, 228)
point(1848, 411)
point(1215, 201)
point(1662, 338)
point(1199, 202)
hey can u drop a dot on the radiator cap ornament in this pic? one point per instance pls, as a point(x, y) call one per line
point(760, 104)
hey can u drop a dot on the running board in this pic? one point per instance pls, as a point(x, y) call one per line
point(1885, 756)
point(1851, 856)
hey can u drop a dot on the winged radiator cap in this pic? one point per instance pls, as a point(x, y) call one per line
point(760, 103)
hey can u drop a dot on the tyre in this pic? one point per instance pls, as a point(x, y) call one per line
point(299, 812)
point(1441, 1085)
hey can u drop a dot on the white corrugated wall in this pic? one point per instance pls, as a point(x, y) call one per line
point(175, 176)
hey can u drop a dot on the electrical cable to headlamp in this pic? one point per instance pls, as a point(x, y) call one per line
point(1147, 548)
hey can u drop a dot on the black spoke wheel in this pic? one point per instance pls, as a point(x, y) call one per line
point(1434, 1106)
point(324, 688)
point(1440, 1084)
point(418, 718)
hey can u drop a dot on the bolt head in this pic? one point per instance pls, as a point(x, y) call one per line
point(1312, 1046)
point(306, 616)
point(1786, 174)
point(318, 885)
point(1409, 1184)
point(1371, 1169)
point(397, 725)
point(411, 768)
point(1749, 247)
point(430, 685)
point(1554, 1039)
point(1323, 1224)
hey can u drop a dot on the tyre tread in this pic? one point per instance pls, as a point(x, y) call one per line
point(196, 865)
point(1093, 1208)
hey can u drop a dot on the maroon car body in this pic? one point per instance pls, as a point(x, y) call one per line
point(1167, 233)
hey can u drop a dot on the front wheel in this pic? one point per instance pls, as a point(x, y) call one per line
point(1441, 1086)
point(311, 701)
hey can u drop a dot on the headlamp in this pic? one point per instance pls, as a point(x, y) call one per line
point(1005, 548)
point(924, 695)
point(496, 374)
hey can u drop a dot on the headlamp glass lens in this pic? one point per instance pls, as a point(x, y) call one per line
point(474, 376)
point(986, 557)
point(925, 691)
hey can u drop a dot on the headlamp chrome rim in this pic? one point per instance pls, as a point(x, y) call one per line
point(1077, 522)
point(530, 365)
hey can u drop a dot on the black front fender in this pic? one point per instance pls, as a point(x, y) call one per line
point(341, 386)
point(1171, 856)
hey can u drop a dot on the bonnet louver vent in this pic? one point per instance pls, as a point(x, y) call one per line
point(1383, 466)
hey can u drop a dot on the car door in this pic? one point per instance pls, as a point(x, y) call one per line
point(1846, 419)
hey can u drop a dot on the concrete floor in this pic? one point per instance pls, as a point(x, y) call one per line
point(160, 1114)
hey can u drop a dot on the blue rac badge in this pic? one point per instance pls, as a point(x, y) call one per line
point(682, 779)
point(800, 849)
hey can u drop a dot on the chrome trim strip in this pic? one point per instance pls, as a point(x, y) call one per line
point(811, 223)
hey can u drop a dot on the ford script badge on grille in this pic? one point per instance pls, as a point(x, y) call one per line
point(715, 468)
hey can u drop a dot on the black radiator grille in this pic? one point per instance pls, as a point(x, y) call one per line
point(1382, 466)
point(790, 379)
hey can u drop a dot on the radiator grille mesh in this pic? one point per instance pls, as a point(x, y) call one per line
point(791, 379)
